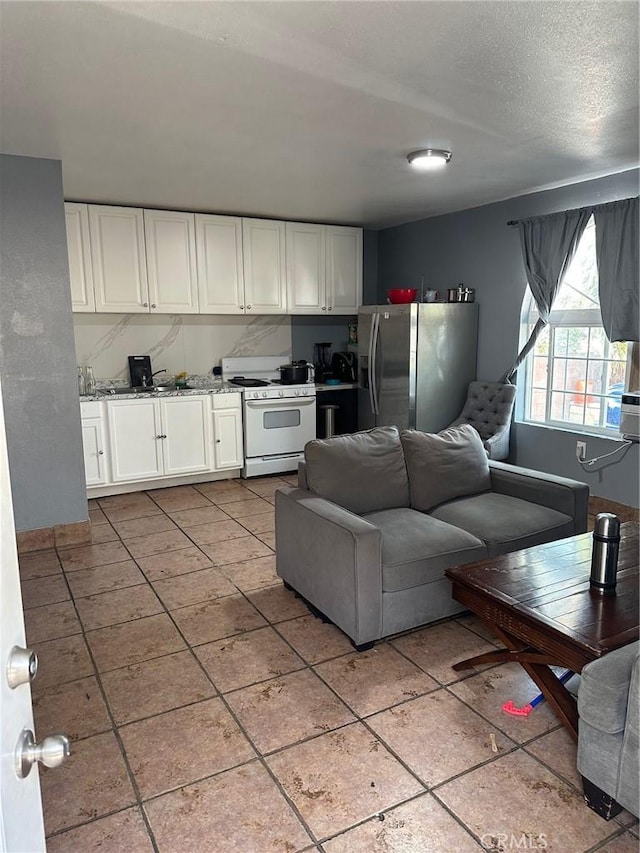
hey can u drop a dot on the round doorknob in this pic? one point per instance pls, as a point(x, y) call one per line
point(51, 752)
point(22, 666)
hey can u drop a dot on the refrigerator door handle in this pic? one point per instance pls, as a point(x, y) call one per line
point(369, 362)
point(373, 377)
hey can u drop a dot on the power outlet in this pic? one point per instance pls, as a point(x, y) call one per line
point(581, 450)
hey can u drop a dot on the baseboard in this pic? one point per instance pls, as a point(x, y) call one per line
point(58, 536)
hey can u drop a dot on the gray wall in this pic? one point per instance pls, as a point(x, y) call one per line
point(478, 248)
point(37, 352)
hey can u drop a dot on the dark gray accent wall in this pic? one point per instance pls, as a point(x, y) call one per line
point(478, 248)
point(37, 352)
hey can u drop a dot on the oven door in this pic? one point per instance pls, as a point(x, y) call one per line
point(278, 426)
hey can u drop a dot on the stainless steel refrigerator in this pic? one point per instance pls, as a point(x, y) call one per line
point(415, 363)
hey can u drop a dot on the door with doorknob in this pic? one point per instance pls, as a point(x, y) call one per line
point(21, 823)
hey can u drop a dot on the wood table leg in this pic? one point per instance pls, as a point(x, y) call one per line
point(550, 686)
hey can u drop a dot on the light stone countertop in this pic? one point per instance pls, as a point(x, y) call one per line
point(214, 388)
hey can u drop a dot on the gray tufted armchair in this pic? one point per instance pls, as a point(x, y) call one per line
point(488, 409)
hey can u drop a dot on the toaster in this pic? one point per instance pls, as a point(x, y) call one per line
point(344, 366)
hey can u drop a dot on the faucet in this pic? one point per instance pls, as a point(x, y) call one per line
point(156, 373)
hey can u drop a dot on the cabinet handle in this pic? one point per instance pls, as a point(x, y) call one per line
point(242, 306)
point(217, 441)
point(153, 305)
point(330, 308)
point(248, 307)
point(145, 304)
point(101, 453)
point(324, 307)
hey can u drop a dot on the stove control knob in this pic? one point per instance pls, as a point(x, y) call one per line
point(296, 393)
point(304, 392)
point(264, 393)
point(280, 393)
point(256, 395)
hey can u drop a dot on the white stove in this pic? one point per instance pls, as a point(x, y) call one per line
point(278, 419)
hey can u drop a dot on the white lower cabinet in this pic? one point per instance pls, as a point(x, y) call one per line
point(227, 431)
point(186, 427)
point(94, 444)
point(135, 439)
point(161, 437)
point(174, 439)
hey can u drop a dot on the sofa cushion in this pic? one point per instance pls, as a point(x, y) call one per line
point(417, 548)
point(505, 523)
point(445, 465)
point(362, 472)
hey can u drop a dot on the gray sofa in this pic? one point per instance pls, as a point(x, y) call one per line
point(608, 739)
point(379, 515)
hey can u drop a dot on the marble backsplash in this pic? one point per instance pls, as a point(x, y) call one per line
point(175, 342)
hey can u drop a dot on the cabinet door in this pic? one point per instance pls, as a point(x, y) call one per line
point(305, 249)
point(80, 271)
point(135, 439)
point(227, 438)
point(94, 445)
point(186, 446)
point(220, 268)
point(344, 269)
point(118, 258)
point(170, 246)
point(263, 251)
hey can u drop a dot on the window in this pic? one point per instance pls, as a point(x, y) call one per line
point(574, 377)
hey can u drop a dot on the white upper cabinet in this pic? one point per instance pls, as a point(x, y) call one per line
point(118, 257)
point(80, 270)
point(344, 269)
point(305, 268)
point(170, 245)
point(219, 262)
point(324, 269)
point(263, 251)
point(133, 261)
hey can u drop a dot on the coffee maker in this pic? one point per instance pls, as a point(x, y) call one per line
point(322, 361)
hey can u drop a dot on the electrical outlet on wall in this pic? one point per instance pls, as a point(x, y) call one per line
point(581, 450)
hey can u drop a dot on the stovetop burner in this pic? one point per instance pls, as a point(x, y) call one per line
point(248, 383)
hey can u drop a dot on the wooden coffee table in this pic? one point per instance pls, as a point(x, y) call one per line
point(539, 604)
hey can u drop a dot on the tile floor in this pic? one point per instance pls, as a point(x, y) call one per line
point(210, 711)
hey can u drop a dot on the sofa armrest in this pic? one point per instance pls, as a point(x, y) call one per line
point(608, 686)
point(609, 726)
point(570, 497)
point(333, 558)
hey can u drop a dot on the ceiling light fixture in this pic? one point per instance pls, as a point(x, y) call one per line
point(429, 158)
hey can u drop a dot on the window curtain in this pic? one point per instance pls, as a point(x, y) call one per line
point(548, 244)
point(617, 227)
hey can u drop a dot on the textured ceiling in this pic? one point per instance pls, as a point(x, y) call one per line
point(306, 110)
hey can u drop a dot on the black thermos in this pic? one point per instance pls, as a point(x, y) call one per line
point(604, 558)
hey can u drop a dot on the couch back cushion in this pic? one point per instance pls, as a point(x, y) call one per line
point(445, 465)
point(362, 472)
